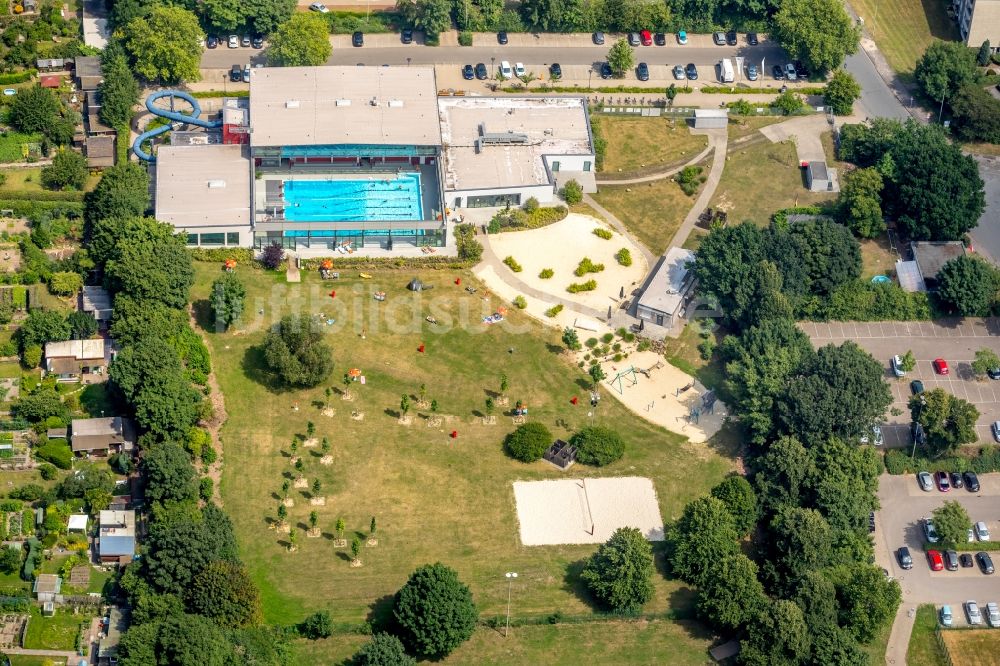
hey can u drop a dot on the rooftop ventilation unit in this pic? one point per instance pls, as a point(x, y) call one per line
point(395, 103)
point(343, 102)
point(507, 138)
point(292, 104)
point(216, 184)
point(374, 101)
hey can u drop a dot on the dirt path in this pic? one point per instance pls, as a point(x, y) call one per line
point(214, 425)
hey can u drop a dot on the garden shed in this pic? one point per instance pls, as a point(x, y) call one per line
point(711, 118)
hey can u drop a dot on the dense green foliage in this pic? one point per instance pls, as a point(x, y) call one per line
point(967, 286)
point(119, 89)
point(122, 192)
point(68, 170)
point(944, 68)
point(295, 352)
point(817, 32)
point(619, 573)
point(383, 650)
point(228, 298)
point(952, 524)
point(948, 421)
point(434, 611)
point(302, 41)
point(597, 445)
point(841, 92)
point(528, 442)
point(165, 44)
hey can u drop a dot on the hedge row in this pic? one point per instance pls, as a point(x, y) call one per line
point(242, 255)
point(986, 460)
point(41, 195)
point(30, 207)
point(17, 77)
point(966, 547)
point(735, 90)
point(210, 94)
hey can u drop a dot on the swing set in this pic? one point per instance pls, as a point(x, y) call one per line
point(624, 376)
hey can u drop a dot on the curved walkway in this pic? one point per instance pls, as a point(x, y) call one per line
point(661, 175)
point(718, 139)
point(619, 227)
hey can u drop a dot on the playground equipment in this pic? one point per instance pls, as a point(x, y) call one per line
point(177, 117)
point(618, 381)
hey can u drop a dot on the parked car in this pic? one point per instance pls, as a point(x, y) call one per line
point(970, 536)
point(505, 70)
point(918, 434)
point(875, 438)
point(916, 387)
point(896, 362)
point(925, 481)
point(598, 38)
point(660, 39)
point(502, 37)
point(985, 562)
point(318, 7)
point(752, 73)
point(212, 42)
point(800, 70)
point(233, 42)
point(481, 72)
point(245, 41)
point(731, 38)
point(934, 560)
point(942, 481)
point(406, 36)
point(996, 430)
point(778, 75)
point(646, 37)
point(682, 37)
point(555, 71)
point(904, 557)
point(982, 532)
point(790, 73)
point(941, 366)
point(606, 70)
point(993, 373)
point(236, 73)
point(257, 41)
point(691, 71)
point(951, 560)
point(246, 74)
point(965, 559)
point(929, 531)
point(971, 481)
point(679, 72)
point(956, 480)
point(972, 611)
point(358, 39)
point(719, 38)
point(993, 614)
point(945, 616)
point(871, 521)
point(519, 69)
point(752, 38)
point(468, 73)
point(642, 72)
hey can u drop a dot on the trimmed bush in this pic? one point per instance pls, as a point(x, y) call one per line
point(434, 611)
point(528, 442)
point(520, 303)
point(513, 265)
point(59, 454)
point(603, 233)
point(587, 266)
point(465, 38)
point(546, 273)
point(598, 446)
point(577, 287)
point(624, 257)
point(572, 191)
point(554, 310)
point(591, 342)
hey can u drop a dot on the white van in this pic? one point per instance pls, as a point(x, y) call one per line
point(505, 69)
point(726, 72)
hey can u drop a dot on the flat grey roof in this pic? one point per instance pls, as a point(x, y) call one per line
point(711, 113)
point(315, 106)
point(203, 186)
point(664, 291)
point(553, 126)
point(931, 256)
point(818, 170)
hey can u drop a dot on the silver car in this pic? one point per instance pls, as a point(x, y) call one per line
point(790, 72)
point(926, 481)
point(972, 610)
point(993, 614)
point(752, 73)
point(982, 533)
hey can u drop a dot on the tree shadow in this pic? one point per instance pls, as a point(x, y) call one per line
point(203, 315)
point(301, 525)
point(478, 414)
point(284, 543)
point(394, 413)
point(583, 383)
point(361, 535)
point(491, 393)
point(327, 536)
point(554, 349)
point(574, 584)
point(275, 496)
point(380, 613)
point(255, 369)
point(319, 404)
point(344, 556)
point(288, 475)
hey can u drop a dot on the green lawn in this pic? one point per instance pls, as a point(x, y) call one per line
point(652, 211)
point(904, 28)
point(30, 178)
point(972, 647)
point(29, 660)
point(58, 632)
point(641, 144)
point(12, 146)
point(435, 498)
point(761, 179)
point(655, 642)
point(924, 649)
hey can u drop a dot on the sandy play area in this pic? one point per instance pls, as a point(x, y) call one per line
point(561, 246)
point(585, 510)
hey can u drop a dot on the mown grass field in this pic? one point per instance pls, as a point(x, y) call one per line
point(903, 29)
point(923, 649)
point(641, 143)
point(652, 211)
point(972, 647)
point(435, 498)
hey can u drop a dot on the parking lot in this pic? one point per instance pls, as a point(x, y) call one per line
point(954, 340)
point(897, 524)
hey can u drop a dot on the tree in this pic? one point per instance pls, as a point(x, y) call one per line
point(618, 574)
point(976, 114)
point(122, 193)
point(41, 327)
point(572, 192)
point(267, 16)
point(317, 486)
point(371, 527)
point(151, 377)
point(596, 373)
point(797, 540)
point(737, 494)
point(944, 68)
point(82, 325)
point(983, 57)
point(570, 339)
point(356, 549)
point(228, 298)
point(597, 445)
point(152, 270)
point(868, 601)
point(224, 592)
point(840, 92)
point(777, 635)
point(134, 319)
point(504, 386)
point(10, 559)
point(340, 528)
point(296, 352)
point(434, 611)
point(621, 58)
point(119, 90)
point(165, 45)
point(65, 284)
point(952, 523)
point(986, 359)
point(282, 514)
point(168, 472)
point(726, 265)
point(703, 536)
point(783, 475)
point(223, 16)
point(431, 16)
point(383, 650)
point(732, 595)
point(32, 356)
point(404, 405)
point(175, 640)
point(34, 109)
point(909, 361)
point(788, 103)
point(947, 420)
point(302, 41)
point(97, 500)
point(316, 626)
point(528, 442)
point(817, 32)
point(967, 286)
point(861, 202)
point(68, 170)
point(185, 543)
point(816, 595)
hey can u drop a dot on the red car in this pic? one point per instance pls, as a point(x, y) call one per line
point(942, 481)
point(941, 366)
point(646, 38)
point(934, 559)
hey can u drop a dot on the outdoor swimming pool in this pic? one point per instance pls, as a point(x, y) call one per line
point(383, 197)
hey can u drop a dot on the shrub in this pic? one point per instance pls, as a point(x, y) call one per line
point(546, 273)
point(32, 356)
point(577, 287)
point(272, 256)
point(554, 310)
point(465, 38)
point(607, 338)
point(528, 442)
point(706, 348)
point(603, 233)
point(572, 191)
point(587, 266)
point(520, 303)
point(29, 492)
point(598, 446)
point(624, 257)
point(434, 611)
point(468, 248)
point(317, 625)
point(530, 206)
point(513, 265)
point(206, 488)
point(591, 342)
point(47, 471)
point(383, 650)
point(689, 179)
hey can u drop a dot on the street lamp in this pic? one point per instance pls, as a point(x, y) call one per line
point(762, 70)
point(590, 76)
point(493, 66)
point(408, 59)
point(511, 575)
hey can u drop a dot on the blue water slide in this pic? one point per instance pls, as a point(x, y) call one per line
point(176, 116)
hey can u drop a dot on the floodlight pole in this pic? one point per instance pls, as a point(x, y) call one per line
point(511, 575)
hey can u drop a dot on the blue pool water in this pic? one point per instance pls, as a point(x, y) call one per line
point(389, 197)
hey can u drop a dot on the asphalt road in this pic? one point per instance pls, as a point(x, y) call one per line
point(535, 58)
point(897, 524)
point(986, 236)
point(877, 100)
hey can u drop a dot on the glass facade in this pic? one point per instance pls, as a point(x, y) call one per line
point(215, 239)
point(356, 238)
point(494, 200)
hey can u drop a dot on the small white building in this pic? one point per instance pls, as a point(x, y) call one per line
point(77, 523)
point(662, 301)
point(821, 178)
point(711, 118)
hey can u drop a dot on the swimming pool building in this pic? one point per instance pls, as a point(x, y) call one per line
point(366, 157)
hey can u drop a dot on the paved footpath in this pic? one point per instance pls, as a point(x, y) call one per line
point(899, 637)
point(717, 139)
